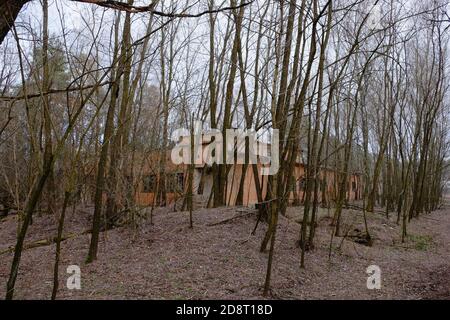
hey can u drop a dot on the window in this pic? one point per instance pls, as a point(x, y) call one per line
point(180, 181)
point(170, 185)
point(175, 182)
point(149, 184)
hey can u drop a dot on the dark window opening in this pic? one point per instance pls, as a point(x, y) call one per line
point(170, 183)
point(180, 181)
point(149, 184)
point(175, 182)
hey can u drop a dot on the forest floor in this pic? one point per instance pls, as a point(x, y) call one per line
point(168, 260)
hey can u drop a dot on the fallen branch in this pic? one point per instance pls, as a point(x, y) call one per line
point(229, 219)
point(358, 208)
point(263, 208)
point(3, 217)
point(45, 242)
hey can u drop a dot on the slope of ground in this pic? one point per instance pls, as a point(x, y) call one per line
point(168, 260)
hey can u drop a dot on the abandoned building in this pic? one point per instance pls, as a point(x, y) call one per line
point(177, 182)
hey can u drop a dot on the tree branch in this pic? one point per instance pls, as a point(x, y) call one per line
point(122, 6)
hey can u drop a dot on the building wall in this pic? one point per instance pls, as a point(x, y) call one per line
point(250, 195)
point(203, 183)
